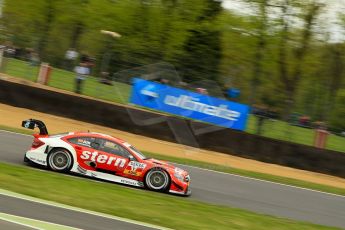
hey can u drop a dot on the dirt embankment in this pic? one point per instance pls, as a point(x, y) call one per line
point(12, 116)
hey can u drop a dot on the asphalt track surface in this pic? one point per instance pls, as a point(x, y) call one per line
point(231, 190)
point(33, 210)
point(11, 226)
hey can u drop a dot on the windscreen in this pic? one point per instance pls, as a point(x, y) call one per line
point(138, 153)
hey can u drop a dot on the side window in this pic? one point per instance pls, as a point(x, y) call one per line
point(113, 148)
point(82, 141)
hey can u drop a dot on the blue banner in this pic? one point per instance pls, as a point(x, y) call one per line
point(189, 104)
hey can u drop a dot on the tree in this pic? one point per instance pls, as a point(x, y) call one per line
point(201, 51)
point(259, 48)
point(23, 22)
point(291, 79)
point(337, 120)
point(334, 71)
point(48, 18)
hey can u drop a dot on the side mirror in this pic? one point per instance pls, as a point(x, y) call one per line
point(131, 158)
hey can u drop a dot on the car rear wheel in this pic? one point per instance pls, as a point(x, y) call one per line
point(157, 179)
point(60, 160)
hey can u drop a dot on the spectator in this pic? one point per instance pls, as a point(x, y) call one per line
point(262, 114)
point(70, 58)
point(202, 91)
point(10, 52)
point(82, 70)
point(164, 81)
point(304, 121)
point(320, 125)
point(34, 58)
point(105, 78)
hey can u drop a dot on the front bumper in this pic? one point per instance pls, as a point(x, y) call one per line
point(187, 192)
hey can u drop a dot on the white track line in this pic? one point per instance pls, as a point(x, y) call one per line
point(23, 219)
point(19, 223)
point(245, 177)
point(261, 180)
point(76, 209)
point(21, 134)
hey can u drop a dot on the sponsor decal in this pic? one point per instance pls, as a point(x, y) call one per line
point(133, 173)
point(189, 104)
point(128, 182)
point(84, 142)
point(193, 104)
point(135, 168)
point(103, 159)
point(37, 160)
point(149, 93)
point(136, 165)
point(131, 182)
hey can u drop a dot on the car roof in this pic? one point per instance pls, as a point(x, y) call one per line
point(95, 134)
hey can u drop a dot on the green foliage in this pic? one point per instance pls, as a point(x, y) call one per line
point(338, 115)
point(152, 31)
point(194, 65)
point(201, 39)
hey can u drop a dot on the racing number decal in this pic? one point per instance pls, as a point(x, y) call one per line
point(134, 168)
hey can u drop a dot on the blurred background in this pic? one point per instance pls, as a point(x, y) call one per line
point(284, 58)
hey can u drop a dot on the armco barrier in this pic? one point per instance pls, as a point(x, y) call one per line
point(173, 129)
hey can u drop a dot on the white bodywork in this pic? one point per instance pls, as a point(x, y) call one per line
point(39, 156)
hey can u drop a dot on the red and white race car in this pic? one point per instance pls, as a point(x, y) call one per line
point(104, 157)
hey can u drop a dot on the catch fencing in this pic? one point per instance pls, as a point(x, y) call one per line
point(117, 88)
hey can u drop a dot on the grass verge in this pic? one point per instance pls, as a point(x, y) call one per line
point(155, 208)
point(221, 168)
point(16, 130)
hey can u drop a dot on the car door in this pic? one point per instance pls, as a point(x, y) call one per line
point(84, 151)
point(112, 157)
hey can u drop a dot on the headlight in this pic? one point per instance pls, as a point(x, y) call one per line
point(182, 178)
point(179, 177)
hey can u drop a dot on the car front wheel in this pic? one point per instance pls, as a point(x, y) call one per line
point(157, 179)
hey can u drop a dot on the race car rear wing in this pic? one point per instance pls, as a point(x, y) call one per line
point(32, 124)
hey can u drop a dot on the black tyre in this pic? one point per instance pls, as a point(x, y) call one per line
point(60, 160)
point(26, 160)
point(157, 179)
